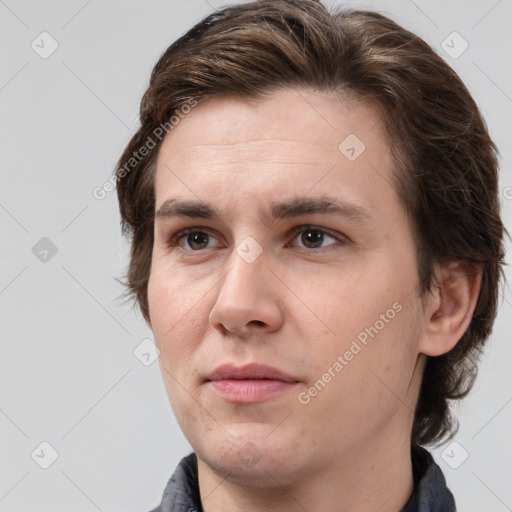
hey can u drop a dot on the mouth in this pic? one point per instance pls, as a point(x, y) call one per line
point(252, 383)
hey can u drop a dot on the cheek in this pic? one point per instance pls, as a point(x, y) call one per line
point(171, 307)
point(372, 321)
point(341, 303)
point(359, 387)
point(177, 335)
point(159, 302)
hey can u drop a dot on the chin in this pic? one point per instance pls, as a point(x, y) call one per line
point(247, 466)
point(252, 457)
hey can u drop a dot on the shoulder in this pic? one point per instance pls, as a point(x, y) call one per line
point(181, 494)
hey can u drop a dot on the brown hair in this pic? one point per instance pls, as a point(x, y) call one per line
point(446, 163)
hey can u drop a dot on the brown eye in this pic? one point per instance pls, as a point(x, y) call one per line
point(197, 240)
point(312, 238)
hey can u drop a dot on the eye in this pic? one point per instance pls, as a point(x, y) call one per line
point(195, 240)
point(313, 238)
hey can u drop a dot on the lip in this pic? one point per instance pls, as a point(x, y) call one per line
point(248, 371)
point(251, 383)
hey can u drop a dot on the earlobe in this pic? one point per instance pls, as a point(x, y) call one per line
point(450, 308)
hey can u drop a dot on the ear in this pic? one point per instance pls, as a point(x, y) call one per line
point(450, 307)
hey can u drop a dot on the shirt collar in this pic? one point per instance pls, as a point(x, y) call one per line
point(430, 491)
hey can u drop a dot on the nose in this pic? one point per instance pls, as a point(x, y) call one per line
point(248, 302)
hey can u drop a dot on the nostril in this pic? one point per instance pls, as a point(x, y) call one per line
point(257, 322)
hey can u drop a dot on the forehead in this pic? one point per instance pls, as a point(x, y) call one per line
point(291, 140)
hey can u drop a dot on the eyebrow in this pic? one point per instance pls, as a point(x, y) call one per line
point(179, 208)
point(277, 211)
point(306, 205)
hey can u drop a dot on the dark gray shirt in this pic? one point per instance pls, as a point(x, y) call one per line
point(430, 492)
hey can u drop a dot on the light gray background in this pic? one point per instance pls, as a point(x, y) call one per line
point(68, 375)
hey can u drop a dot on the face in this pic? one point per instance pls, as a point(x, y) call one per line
point(283, 291)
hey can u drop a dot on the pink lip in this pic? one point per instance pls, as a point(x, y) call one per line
point(251, 383)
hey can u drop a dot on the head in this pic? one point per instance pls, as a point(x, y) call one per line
point(249, 116)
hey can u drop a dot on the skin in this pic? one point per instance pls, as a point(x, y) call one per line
point(297, 306)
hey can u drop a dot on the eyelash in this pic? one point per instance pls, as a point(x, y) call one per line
point(173, 241)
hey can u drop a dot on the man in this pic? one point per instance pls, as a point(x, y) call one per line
point(317, 247)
